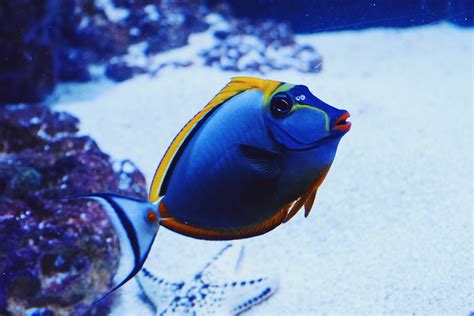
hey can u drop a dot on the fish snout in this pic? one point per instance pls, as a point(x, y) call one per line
point(341, 124)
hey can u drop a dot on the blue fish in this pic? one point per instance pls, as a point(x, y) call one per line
point(248, 162)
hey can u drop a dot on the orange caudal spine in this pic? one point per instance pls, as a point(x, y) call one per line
point(151, 216)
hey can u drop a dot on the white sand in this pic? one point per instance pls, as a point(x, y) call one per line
point(391, 230)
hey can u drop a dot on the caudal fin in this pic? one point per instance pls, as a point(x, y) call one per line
point(136, 224)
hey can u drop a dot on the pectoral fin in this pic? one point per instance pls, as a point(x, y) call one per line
point(262, 161)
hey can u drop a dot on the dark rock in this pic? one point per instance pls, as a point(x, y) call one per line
point(49, 41)
point(24, 285)
point(72, 64)
point(221, 34)
point(121, 71)
point(56, 256)
point(169, 25)
point(52, 41)
point(27, 56)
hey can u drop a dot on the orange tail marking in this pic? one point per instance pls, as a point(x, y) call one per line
point(216, 234)
point(151, 216)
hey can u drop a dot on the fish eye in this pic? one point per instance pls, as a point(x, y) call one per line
point(281, 104)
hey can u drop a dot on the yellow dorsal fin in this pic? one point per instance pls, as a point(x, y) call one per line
point(234, 87)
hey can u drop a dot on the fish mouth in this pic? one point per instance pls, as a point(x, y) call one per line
point(342, 124)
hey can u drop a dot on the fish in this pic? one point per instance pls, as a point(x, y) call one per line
point(248, 162)
point(219, 288)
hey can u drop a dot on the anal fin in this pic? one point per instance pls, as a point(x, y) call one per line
point(207, 233)
point(295, 208)
point(309, 203)
point(307, 198)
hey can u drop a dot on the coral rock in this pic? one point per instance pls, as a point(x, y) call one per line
point(258, 47)
point(56, 256)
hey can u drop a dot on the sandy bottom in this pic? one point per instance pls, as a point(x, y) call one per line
point(392, 228)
